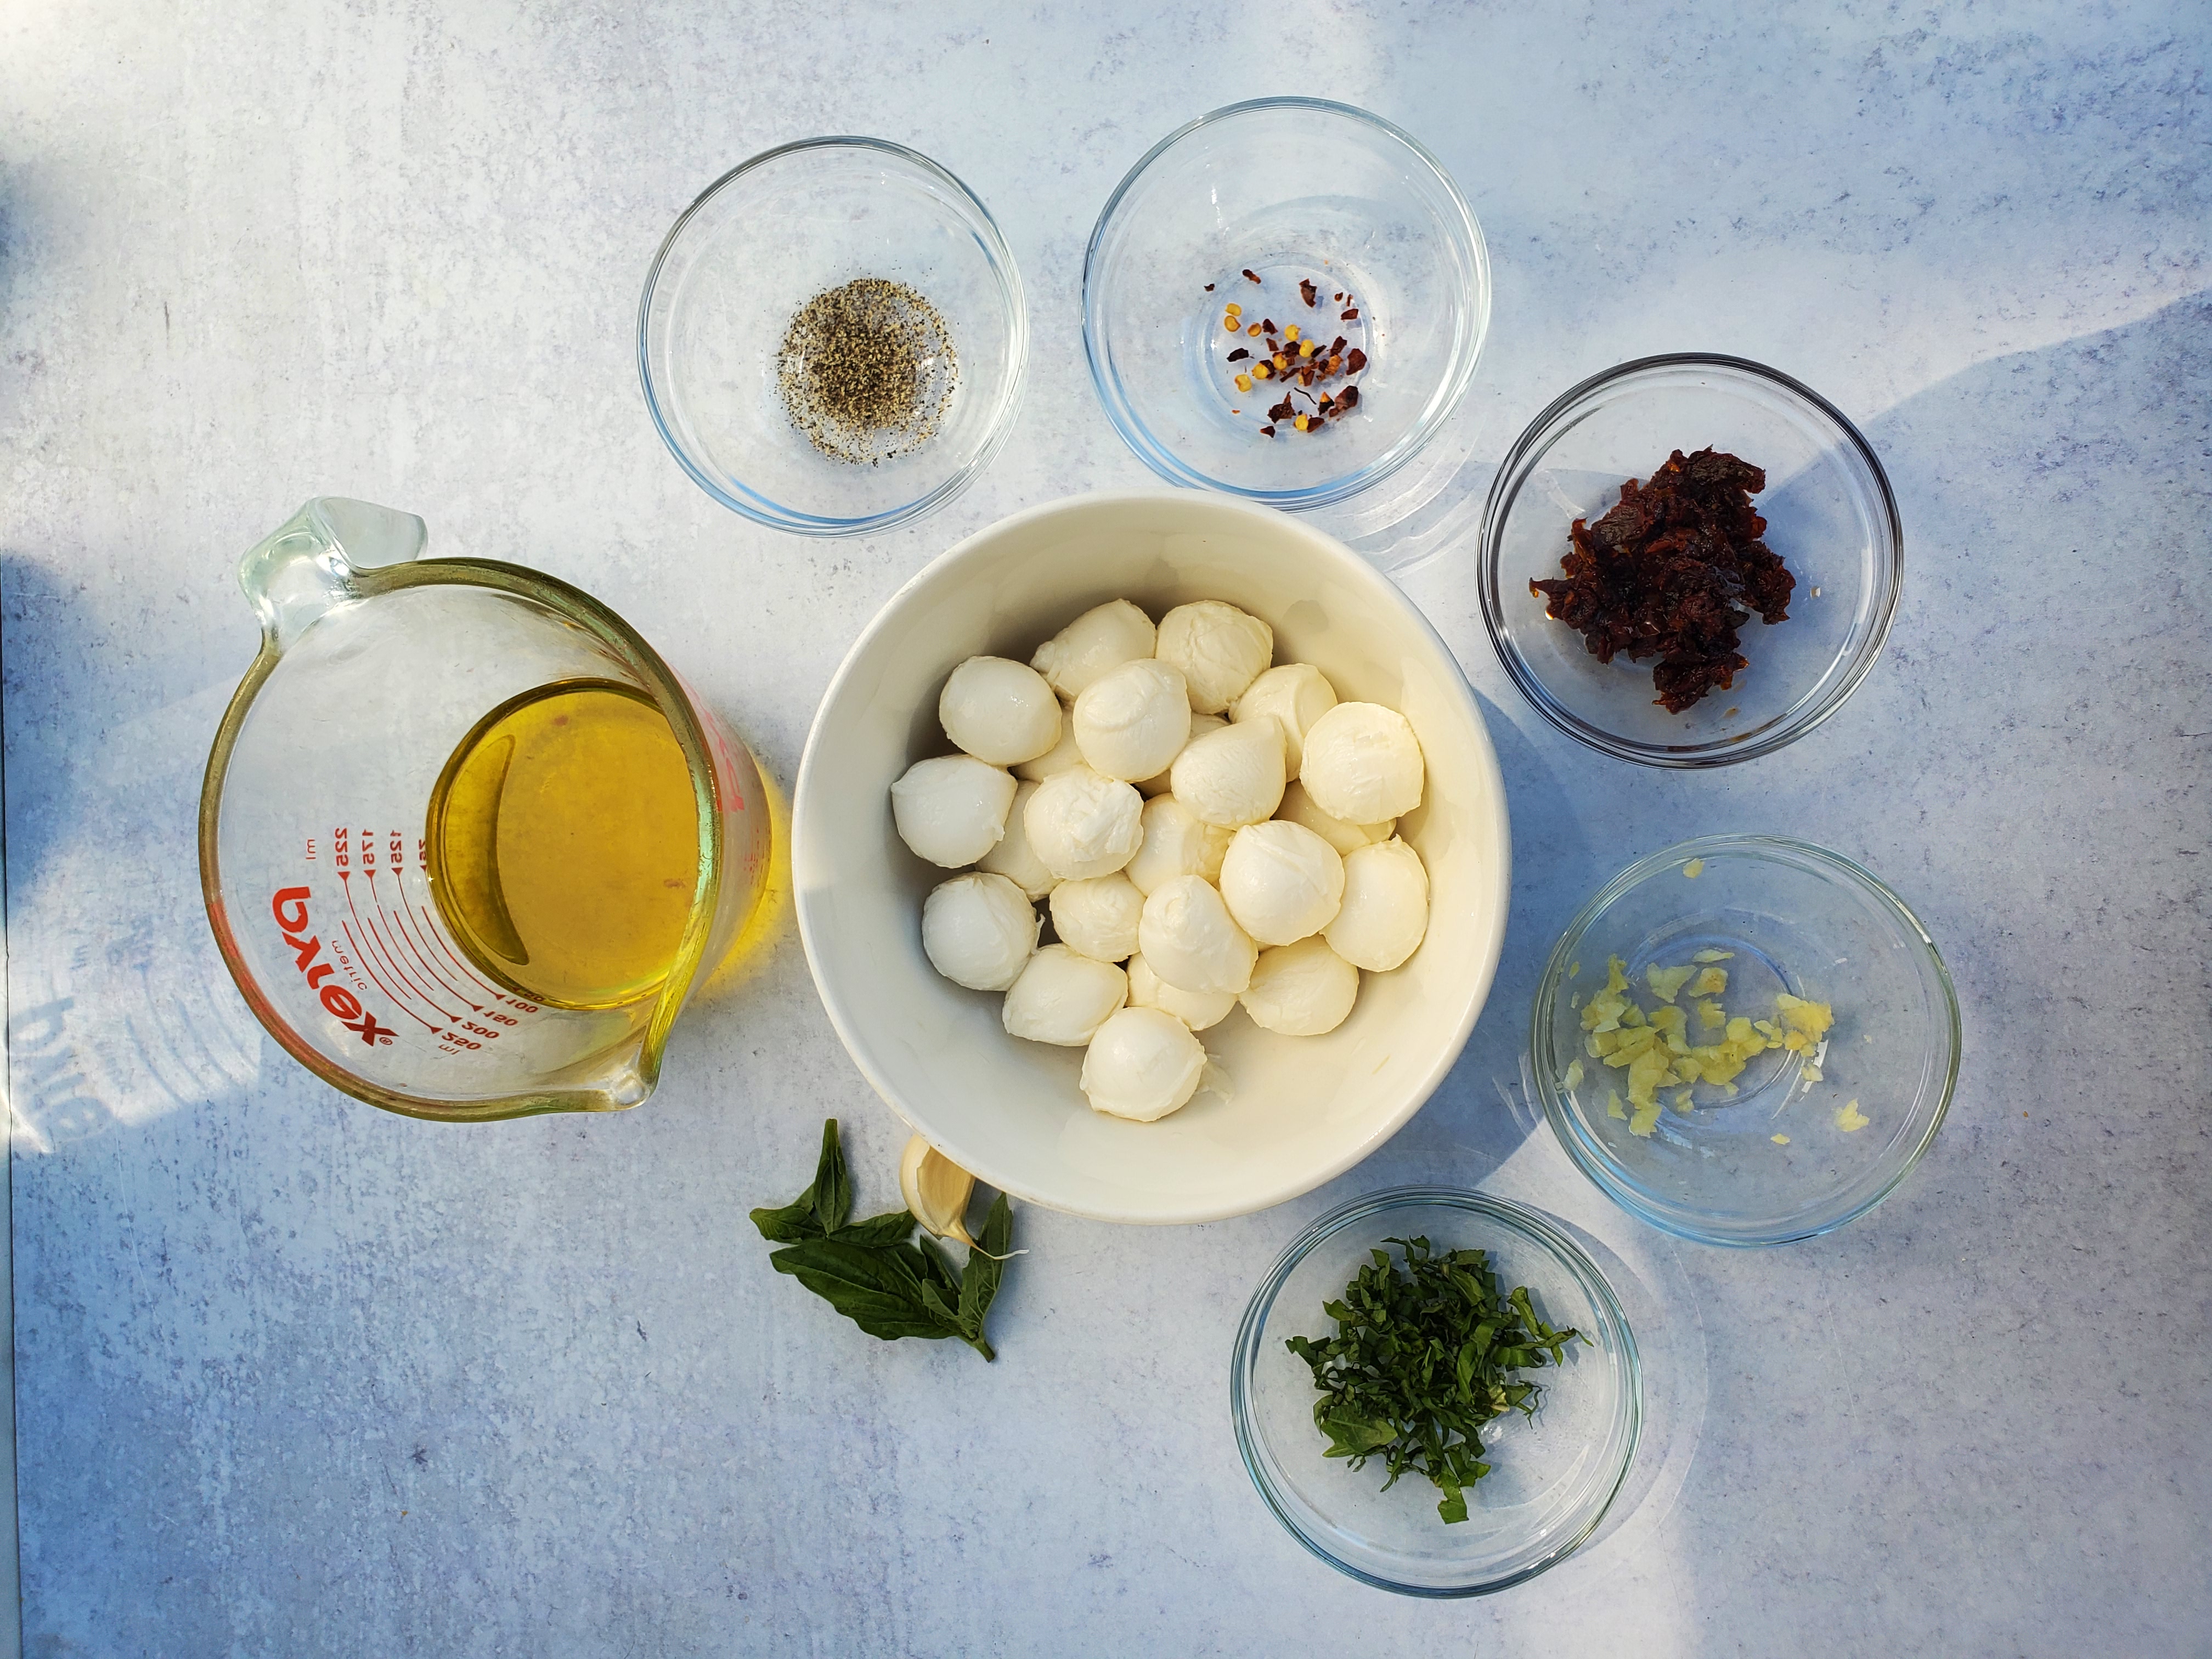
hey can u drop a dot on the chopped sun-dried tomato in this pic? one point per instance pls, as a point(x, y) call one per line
point(1673, 570)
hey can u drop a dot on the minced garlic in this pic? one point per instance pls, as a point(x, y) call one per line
point(1654, 1045)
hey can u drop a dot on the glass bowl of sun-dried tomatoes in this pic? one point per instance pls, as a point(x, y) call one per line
point(1283, 300)
point(1689, 561)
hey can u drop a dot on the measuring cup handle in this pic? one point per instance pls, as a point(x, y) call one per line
point(303, 569)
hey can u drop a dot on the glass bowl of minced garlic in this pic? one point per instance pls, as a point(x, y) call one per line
point(1745, 1039)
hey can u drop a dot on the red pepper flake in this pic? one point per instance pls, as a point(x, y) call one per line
point(1209, 287)
point(1301, 365)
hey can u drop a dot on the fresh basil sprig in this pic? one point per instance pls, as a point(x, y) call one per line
point(1421, 1360)
point(875, 1271)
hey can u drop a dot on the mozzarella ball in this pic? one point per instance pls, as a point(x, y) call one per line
point(1192, 941)
point(1132, 721)
point(1164, 779)
point(952, 810)
point(1059, 759)
point(1298, 807)
point(1386, 907)
point(1219, 648)
point(1098, 918)
point(999, 711)
point(1233, 776)
point(1013, 857)
point(1281, 882)
point(978, 930)
point(1083, 825)
point(1297, 695)
point(1143, 1064)
point(1175, 844)
point(1362, 764)
point(1100, 639)
point(1301, 990)
point(1196, 1009)
point(1062, 998)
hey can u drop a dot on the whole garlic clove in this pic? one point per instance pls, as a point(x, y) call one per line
point(936, 1190)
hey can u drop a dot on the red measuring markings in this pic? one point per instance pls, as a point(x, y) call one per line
point(430, 926)
point(399, 924)
point(405, 928)
point(389, 980)
point(289, 907)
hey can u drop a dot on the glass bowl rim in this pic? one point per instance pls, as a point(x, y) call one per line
point(1531, 1224)
point(1566, 1124)
point(1013, 300)
point(1553, 423)
point(1449, 392)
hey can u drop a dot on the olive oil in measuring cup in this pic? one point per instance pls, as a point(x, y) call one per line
point(563, 845)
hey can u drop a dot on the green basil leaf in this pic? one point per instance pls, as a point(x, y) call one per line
point(866, 1284)
point(874, 1272)
point(832, 1191)
point(979, 1282)
point(892, 1228)
point(788, 1225)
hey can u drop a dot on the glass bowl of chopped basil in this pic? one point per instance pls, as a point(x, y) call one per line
point(1437, 1392)
point(1283, 300)
point(1745, 1039)
point(832, 337)
point(1689, 561)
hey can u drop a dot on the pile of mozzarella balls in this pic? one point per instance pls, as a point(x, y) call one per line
point(1204, 830)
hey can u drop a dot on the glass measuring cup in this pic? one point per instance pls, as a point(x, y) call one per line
point(375, 667)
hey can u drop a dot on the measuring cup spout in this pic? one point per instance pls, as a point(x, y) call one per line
point(299, 573)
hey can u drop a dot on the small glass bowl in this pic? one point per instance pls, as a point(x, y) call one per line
point(1792, 918)
point(1830, 515)
point(1290, 189)
point(763, 241)
point(1550, 1479)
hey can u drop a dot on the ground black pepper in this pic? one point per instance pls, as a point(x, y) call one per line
point(866, 370)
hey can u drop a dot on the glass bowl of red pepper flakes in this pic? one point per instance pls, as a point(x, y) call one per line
point(1283, 300)
point(1824, 506)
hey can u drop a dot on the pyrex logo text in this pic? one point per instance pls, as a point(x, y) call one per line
point(289, 907)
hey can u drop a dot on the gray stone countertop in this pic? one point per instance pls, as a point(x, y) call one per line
point(294, 1376)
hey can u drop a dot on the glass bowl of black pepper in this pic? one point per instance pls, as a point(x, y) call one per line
point(1725, 606)
point(832, 337)
point(1557, 1436)
point(1283, 300)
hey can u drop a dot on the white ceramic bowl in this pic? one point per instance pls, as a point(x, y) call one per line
point(1300, 1110)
